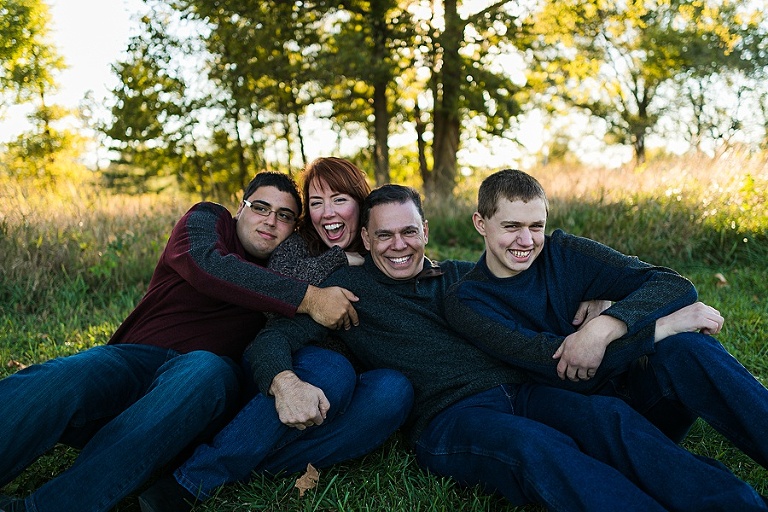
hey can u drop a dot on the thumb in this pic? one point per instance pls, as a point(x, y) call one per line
point(579, 317)
point(323, 405)
point(349, 295)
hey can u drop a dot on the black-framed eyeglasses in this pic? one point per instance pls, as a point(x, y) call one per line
point(263, 209)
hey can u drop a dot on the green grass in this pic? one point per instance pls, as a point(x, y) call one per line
point(77, 259)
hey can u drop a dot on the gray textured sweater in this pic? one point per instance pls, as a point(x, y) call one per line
point(401, 327)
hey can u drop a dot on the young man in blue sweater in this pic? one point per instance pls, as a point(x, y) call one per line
point(652, 348)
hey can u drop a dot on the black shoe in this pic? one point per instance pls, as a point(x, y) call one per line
point(8, 504)
point(166, 495)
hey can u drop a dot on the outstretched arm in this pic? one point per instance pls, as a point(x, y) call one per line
point(697, 317)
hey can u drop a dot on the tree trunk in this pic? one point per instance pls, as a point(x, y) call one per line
point(426, 174)
point(446, 117)
point(381, 134)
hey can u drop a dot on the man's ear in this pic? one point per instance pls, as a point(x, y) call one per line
point(426, 231)
point(239, 209)
point(366, 242)
point(479, 223)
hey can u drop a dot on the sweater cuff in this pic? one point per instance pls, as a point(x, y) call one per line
point(265, 364)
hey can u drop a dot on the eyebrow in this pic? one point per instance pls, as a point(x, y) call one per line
point(383, 231)
point(264, 203)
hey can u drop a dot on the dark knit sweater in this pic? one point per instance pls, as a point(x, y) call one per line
point(402, 328)
point(292, 258)
point(523, 319)
point(206, 292)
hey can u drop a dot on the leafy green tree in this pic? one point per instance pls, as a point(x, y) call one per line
point(28, 61)
point(458, 48)
point(28, 66)
point(614, 59)
point(363, 56)
point(154, 113)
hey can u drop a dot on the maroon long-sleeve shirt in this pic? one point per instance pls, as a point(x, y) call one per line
point(206, 292)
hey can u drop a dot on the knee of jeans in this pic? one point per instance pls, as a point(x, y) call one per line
point(329, 371)
point(390, 394)
point(391, 390)
point(210, 374)
point(685, 347)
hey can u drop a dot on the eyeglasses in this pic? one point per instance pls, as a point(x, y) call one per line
point(263, 210)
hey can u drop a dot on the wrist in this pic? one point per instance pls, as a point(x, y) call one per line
point(281, 381)
point(305, 305)
point(608, 328)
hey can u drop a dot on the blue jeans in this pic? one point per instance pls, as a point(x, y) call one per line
point(691, 375)
point(570, 452)
point(365, 410)
point(131, 408)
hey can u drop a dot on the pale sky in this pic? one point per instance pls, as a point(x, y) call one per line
point(90, 35)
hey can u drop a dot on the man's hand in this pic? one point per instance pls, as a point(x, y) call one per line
point(589, 311)
point(298, 403)
point(695, 317)
point(330, 307)
point(582, 352)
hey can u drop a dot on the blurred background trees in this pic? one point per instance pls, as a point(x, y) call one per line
point(412, 90)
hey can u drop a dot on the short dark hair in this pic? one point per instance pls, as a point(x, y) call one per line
point(280, 181)
point(508, 184)
point(387, 194)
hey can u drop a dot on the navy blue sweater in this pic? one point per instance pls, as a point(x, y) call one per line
point(523, 319)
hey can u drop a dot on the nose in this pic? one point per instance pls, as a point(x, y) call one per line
point(398, 242)
point(269, 219)
point(525, 237)
point(328, 210)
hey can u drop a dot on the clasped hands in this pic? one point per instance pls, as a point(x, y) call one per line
point(581, 353)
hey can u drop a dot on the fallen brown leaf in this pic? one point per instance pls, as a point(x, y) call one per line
point(15, 364)
point(721, 280)
point(308, 480)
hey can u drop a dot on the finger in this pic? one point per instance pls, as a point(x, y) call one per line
point(324, 406)
point(353, 316)
point(562, 368)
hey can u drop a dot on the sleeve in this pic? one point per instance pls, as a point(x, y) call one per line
point(292, 258)
point(271, 351)
point(532, 351)
point(201, 251)
point(642, 293)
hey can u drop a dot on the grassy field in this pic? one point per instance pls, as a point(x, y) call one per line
point(75, 259)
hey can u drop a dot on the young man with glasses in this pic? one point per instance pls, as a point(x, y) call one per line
point(167, 378)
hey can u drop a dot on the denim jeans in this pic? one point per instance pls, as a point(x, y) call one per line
point(691, 375)
point(365, 410)
point(131, 408)
point(570, 452)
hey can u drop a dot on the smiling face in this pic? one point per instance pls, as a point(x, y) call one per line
point(514, 235)
point(396, 237)
point(261, 235)
point(334, 215)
